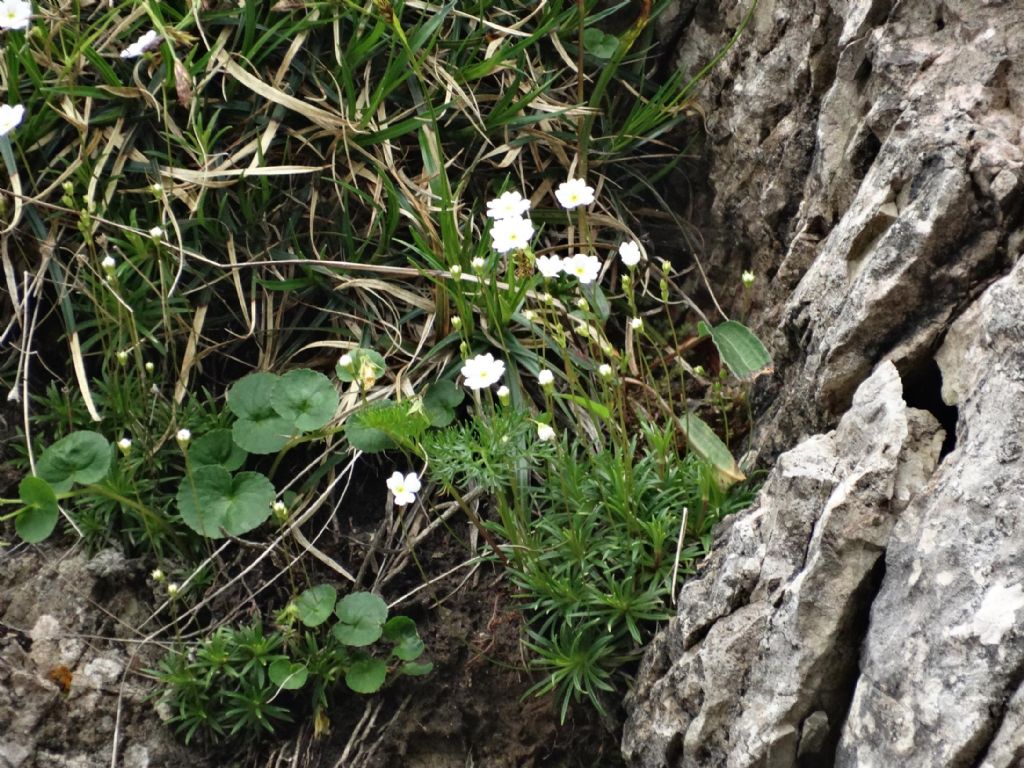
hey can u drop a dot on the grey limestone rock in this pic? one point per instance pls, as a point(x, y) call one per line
point(865, 159)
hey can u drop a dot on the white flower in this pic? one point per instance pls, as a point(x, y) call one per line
point(456, 270)
point(157, 575)
point(636, 323)
point(529, 315)
point(503, 394)
point(545, 432)
point(173, 590)
point(15, 14)
point(10, 117)
point(404, 487)
point(140, 46)
point(149, 368)
point(345, 361)
point(574, 193)
point(280, 510)
point(605, 370)
point(630, 253)
point(478, 263)
point(748, 279)
point(183, 436)
point(507, 206)
point(585, 268)
point(122, 356)
point(549, 266)
point(156, 232)
point(124, 444)
point(108, 263)
point(482, 371)
point(512, 233)
point(545, 378)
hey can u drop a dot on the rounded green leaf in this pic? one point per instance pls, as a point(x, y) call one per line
point(249, 397)
point(260, 429)
point(305, 398)
point(263, 435)
point(81, 457)
point(361, 618)
point(316, 604)
point(216, 447)
point(599, 43)
point(39, 517)
point(440, 401)
point(214, 504)
point(401, 630)
point(366, 675)
point(287, 675)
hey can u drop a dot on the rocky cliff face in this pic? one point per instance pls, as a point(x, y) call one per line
point(865, 159)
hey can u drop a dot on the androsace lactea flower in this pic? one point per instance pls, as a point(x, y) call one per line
point(574, 193)
point(508, 205)
point(549, 266)
point(545, 432)
point(140, 46)
point(511, 233)
point(482, 371)
point(10, 117)
point(545, 378)
point(630, 253)
point(585, 268)
point(15, 14)
point(404, 487)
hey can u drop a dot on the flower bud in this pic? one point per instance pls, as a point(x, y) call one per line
point(503, 395)
point(637, 324)
point(183, 437)
point(748, 279)
point(124, 445)
point(457, 322)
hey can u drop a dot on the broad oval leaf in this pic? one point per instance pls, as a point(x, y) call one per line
point(305, 398)
point(401, 630)
point(316, 604)
point(249, 397)
point(216, 447)
point(288, 675)
point(361, 618)
point(39, 517)
point(81, 457)
point(366, 675)
point(416, 669)
point(214, 504)
point(741, 350)
point(262, 436)
point(705, 443)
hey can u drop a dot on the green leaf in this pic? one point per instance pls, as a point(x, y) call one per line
point(287, 675)
point(366, 675)
point(416, 669)
point(260, 428)
point(705, 443)
point(364, 361)
point(361, 618)
point(600, 44)
point(741, 350)
point(316, 604)
point(305, 398)
point(440, 401)
point(401, 630)
point(216, 447)
point(596, 408)
point(39, 517)
point(214, 504)
point(81, 457)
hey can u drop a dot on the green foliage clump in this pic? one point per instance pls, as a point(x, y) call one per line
point(246, 682)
